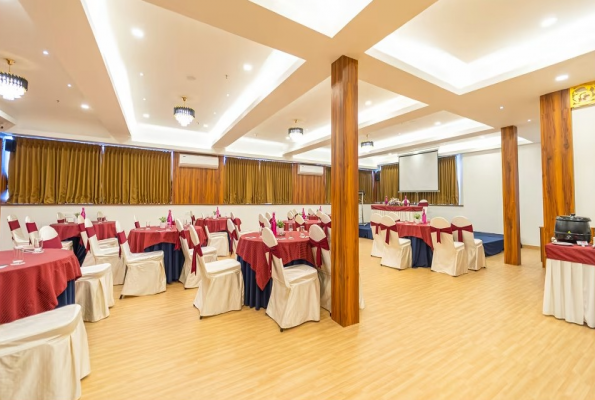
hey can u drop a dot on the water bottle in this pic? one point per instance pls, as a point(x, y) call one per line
point(83, 213)
point(169, 219)
point(385, 200)
point(423, 217)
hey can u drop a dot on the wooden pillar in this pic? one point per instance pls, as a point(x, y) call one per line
point(344, 189)
point(557, 159)
point(510, 196)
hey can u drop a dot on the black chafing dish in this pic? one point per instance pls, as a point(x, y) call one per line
point(570, 228)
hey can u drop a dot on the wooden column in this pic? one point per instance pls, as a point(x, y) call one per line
point(344, 188)
point(557, 159)
point(510, 196)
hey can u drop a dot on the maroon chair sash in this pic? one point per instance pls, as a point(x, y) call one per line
point(90, 233)
point(193, 219)
point(320, 245)
point(389, 229)
point(81, 229)
point(237, 222)
point(376, 225)
point(181, 234)
point(460, 229)
point(261, 224)
point(31, 226)
point(197, 252)
point(233, 235)
point(14, 225)
point(137, 224)
point(439, 232)
point(272, 251)
point(121, 240)
point(53, 243)
point(326, 227)
point(423, 204)
point(61, 221)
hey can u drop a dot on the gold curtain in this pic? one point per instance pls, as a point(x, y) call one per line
point(366, 183)
point(241, 180)
point(327, 184)
point(276, 183)
point(135, 176)
point(53, 172)
point(447, 184)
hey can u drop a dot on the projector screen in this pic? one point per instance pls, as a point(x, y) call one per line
point(419, 172)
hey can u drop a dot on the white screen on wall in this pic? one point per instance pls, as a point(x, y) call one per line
point(419, 172)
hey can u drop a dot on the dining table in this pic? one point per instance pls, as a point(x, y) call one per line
point(69, 231)
point(166, 239)
point(420, 234)
point(294, 248)
point(405, 213)
point(214, 224)
point(307, 223)
point(43, 282)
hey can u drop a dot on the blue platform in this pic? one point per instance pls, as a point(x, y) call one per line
point(493, 243)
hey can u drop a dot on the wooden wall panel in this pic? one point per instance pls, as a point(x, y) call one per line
point(557, 158)
point(510, 194)
point(344, 189)
point(198, 185)
point(308, 189)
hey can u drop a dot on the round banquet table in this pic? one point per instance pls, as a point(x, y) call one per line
point(405, 213)
point(69, 231)
point(163, 239)
point(307, 223)
point(45, 281)
point(421, 242)
point(214, 224)
point(255, 270)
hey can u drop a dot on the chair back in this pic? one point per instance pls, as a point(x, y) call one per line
point(319, 213)
point(299, 219)
point(31, 229)
point(277, 268)
point(83, 233)
point(183, 242)
point(17, 234)
point(466, 234)
point(289, 215)
point(394, 216)
point(423, 203)
point(317, 234)
point(311, 212)
point(446, 239)
point(232, 231)
point(100, 216)
point(93, 242)
point(393, 236)
point(125, 247)
point(262, 219)
point(231, 215)
point(202, 269)
point(209, 236)
point(60, 217)
point(268, 216)
point(193, 235)
point(50, 238)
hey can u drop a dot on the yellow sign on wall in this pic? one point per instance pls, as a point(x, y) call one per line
point(582, 95)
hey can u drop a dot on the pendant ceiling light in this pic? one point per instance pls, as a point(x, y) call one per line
point(295, 132)
point(184, 115)
point(368, 145)
point(12, 86)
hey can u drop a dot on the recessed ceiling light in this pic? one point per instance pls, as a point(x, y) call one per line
point(46, 53)
point(69, 85)
point(144, 99)
point(437, 123)
point(214, 113)
point(227, 94)
point(287, 138)
point(501, 107)
point(146, 115)
point(205, 126)
point(546, 23)
point(368, 103)
point(85, 106)
point(528, 120)
point(247, 67)
point(560, 78)
point(137, 33)
point(141, 74)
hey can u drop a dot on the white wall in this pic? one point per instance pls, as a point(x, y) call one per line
point(583, 132)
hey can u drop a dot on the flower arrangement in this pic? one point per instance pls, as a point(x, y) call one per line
point(417, 216)
point(76, 215)
point(280, 228)
point(163, 219)
point(280, 224)
point(394, 202)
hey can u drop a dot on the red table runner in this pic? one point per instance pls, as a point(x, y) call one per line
point(214, 224)
point(34, 287)
point(252, 250)
point(140, 239)
point(421, 231)
point(382, 207)
point(67, 230)
point(574, 253)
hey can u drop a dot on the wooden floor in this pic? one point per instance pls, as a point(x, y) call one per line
point(423, 335)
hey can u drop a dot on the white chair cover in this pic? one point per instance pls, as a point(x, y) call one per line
point(394, 216)
point(268, 216)
point(289, 215)
point(209, 253)
point(378, 244)
point(48, 233)
point(145, 272)
point(100, 216)
point(325, 219)
point(60, 216)
point(397, 253)
point(262, 220)
point(44, 356)
point(449, 256)
point(476, 256)
point(233, 235)
point(295, 296)
point(106, 255)
point(104, 243)
point(94, 292)
point(311, 212)
point(32, 234)
point(18, 237)
point(219, 242)
point(299, 219)
point(221, 288)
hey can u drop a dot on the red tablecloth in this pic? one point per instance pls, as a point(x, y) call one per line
point(421, 231)
point(140, 239)
point(252, 249)
point(575, 253)
point(34, 287)
point(382, 207)
point(104, 230)
point(214, 224)
point(308, 223)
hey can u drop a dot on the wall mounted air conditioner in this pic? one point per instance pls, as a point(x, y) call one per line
point(310, 170)
point(194, 161)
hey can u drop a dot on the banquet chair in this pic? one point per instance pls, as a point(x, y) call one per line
point(136, 223)
point(103, 243)
point(145, 272)
point(319, 213)
point(268, 216)
point(60, 217)
point(210, 254)
point(295, 296)
point(311, 212)
point(31, 227)
point(423, 203)
point(449, 256)
point(94, 292)
point(103, 255)
point(395, 216)
point(51, 240)
point(325, 221)
point(289, 215)
point(18, 237)
point(378, 243)
point(100, 216)
point(44, 356)
point(299, 221)
point(476, 257)
point(263, 221)
point(219, 242)
point(233, 235)
point(397, 252)
point(221, 286)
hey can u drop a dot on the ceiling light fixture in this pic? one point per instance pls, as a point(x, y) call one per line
point(141, 74)
point(295, 132)
point(247, 67)
point(146, 115)
point(137, 33)
point(561, 78)
point(12, 86)
point(85, 106)
point(501, 107)
point(367, 145)
point(437, 123)
point(144, 99)
point(69, 85)
point(205, 126)
point(528, 120)
point(546, 23)
point(184, 115)
point(46, 53)
point(368, 103)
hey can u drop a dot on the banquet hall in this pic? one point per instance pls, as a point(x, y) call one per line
point(363, 199)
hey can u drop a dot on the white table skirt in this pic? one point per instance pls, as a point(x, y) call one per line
point(569, 292)
point(405, 216)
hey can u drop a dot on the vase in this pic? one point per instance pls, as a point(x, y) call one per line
point(162, 225)
point(280, 231)
point(417, 221)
